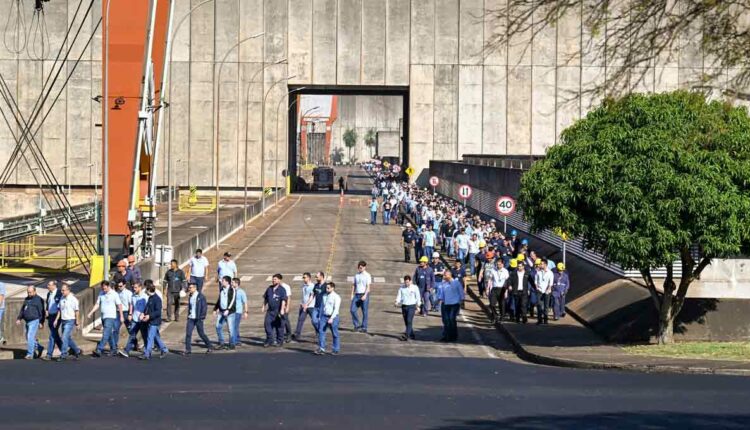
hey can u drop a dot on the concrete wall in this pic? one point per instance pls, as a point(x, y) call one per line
point(515, 100)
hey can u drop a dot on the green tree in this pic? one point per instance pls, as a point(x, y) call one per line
point(350, 139)
point(337, 155)
point(649, 180)
point(371, 138)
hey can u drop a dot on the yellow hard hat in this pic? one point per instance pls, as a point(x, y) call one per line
point(482, 244)
point(560, 266)
point(424, 259)
point(520, 257)
point(538, 261)
point(513, 263)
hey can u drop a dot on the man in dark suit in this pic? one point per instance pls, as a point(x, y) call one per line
point(52, 305)
point(518, 284)
point(197, 310)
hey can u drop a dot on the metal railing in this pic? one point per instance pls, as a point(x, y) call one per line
point(196, 203)
point(29, 225)
point(483, 201)
point(28, 255)
point(518, 162)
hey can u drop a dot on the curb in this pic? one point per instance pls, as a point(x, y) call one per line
point(548, 360)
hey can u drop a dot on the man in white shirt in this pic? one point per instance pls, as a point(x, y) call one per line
point(544, 280)
point(360, 297)
point(197, 269)
point(67, 320)
point(329, 318)
point(409, 298)
point(497, 282)
point(227, 267)
point(111, 308)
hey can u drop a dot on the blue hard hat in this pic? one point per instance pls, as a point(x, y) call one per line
point(525, 242)
point(514, 233)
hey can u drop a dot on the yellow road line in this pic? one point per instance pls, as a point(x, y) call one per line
point(329, 266)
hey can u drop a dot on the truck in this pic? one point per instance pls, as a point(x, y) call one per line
point(323, 177)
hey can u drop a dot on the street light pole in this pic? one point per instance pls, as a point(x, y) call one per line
point(276, 154)
point(247, 127)
point(263, 146)
point(105, 151)
point(307, 132)
point(217, 125)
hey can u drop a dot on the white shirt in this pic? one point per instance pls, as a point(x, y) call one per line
point(68, 307)
point(473, 246)
point(331, 304)
point(544, 280)
point(408, 296)
point(498, 277)
point(198, 266)
point(519, 286)
point(227, 268)
point(361, 282)
point(288, 290)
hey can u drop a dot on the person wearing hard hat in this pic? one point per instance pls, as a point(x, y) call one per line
point(518, 285)
point(514, 240)
point(438, 268)
point(559, 290)
point(424, 278)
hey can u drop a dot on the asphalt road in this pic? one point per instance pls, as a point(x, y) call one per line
point(377, 382)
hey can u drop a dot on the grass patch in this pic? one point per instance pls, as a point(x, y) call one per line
point(738, 351)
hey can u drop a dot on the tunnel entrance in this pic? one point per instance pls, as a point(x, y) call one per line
point(341, 127)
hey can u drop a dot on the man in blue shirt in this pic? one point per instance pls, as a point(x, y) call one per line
point(54, 295)
point(240, 309)
point(152, 316)
point(306, 304)
point(424, 278)
point(374, 211)
point(136, 307)
point(111, 309)
point(319, 288)
point(450, 296)
point(274, 300)
point(225, 309)
point(197, 310)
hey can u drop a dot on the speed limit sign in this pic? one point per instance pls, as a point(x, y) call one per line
point(506, 205)
point(434, 181)
point(464, 191)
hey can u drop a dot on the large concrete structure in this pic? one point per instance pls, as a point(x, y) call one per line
point(362, 113)
point(515, 100)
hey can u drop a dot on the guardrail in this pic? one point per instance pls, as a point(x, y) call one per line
point(197, 203)
point(483, 201)
point(17, 228)
point(518, 162)
point(16, 256)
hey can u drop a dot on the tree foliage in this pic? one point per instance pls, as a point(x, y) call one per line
point(646, 181)
point(636, 38)
point(371, 138)
point(350, 139)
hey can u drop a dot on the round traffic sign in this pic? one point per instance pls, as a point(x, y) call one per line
point(464, 191)
point(434, 181)
point(505, 205)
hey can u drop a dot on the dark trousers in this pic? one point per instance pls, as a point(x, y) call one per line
point(407, 253)
point(558, 307)
point(520, 305)
point(135, 328)
point(54, 335)
point(193, 324)
point(497, 303)
point(287, 326)
point(173, 305)
point(542, 305)
point(450, 324)
point(408, 314)
point(425, 309)
point(274, 327)
point(301, 320)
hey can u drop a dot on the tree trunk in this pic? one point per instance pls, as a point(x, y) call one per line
point(666, 322)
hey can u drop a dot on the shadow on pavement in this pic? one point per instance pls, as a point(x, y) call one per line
point(650, 420)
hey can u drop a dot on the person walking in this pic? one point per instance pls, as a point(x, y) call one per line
point(329, 318)
point(108, 303)
point(386, 211)
point(559, 290)
point(424, 277)
point(429, 240)
point(197, 311)
point(125, 298)
point(306, 304)
point(225, 311)
point(67, 319)
point(543, 282)
point(360, 297)
point(133, 273)
point(227, 267)
point(152, 317)
point(54, 295)
point(241, 307)
point(32, 315)
point(318, 290)
point(274, 304)
point(285, 316)
point(409, 299)
point(197, 267)
point(450, 296)
point(496, 276)
point(408, 238)
point(462, 246)
point(438, 269)
point(174, 281)
point(518, 283)
point(136, 308)
point(374, 210)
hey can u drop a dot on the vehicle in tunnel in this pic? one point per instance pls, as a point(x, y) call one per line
point(323, 178)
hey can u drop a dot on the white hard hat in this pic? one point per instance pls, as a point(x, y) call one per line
point(408, 224)
point(435, 255)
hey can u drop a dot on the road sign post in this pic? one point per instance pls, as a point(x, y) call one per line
point(465, 192)
point(505, 206)
point(434, 181)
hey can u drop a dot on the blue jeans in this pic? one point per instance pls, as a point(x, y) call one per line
point(220, 322)
point(236, 322)
point(449, 245)
point(153, 336)
point(462, 255)
point(315, 318)
point(472, 261)
point(135, 328)
point(68, 327)
point(301, 316)
point(54, 336)
point(449, 316)
point(386, 217)
point(31, 344)
point(323, 325)
point(357, 302)
point(428, 250)
point(373, 217)
point(118, 326)
point(108, 327)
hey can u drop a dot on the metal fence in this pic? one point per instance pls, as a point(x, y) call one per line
point(484, 202)
point(16, 228)
point(517, 162)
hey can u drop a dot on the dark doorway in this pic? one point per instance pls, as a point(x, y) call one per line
point(316, 131)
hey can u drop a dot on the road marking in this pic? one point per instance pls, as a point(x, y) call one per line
point(329, 266)
point(476, 337)
point(246, 278)
point(257, 238)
